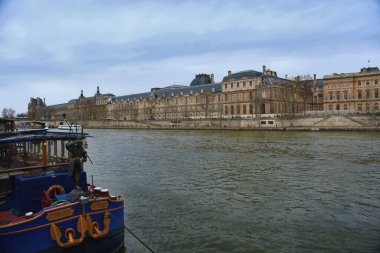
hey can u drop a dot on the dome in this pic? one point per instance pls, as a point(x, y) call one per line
point(201, 79)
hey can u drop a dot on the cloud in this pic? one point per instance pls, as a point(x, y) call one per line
point(53, 49)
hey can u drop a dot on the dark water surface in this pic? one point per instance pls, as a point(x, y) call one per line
point(226, 191)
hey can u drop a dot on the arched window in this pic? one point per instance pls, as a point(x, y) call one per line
point(338, 95)
point(376, 106)
point(330, 107)
point(345, 107)
point(345, 94)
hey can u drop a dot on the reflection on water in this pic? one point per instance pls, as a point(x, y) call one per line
point(226, 191)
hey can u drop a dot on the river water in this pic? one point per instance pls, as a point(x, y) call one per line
point(238, 191)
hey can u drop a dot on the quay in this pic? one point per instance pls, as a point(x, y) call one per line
point(309, 123)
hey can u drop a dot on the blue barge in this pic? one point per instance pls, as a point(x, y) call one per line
point(46, 203)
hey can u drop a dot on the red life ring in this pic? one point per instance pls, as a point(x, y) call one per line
point(47, 195)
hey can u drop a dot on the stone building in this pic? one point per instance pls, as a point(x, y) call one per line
point(252, 93)
point(245, 94)
point(352, 92)
point(176, 102)
point(35, 107)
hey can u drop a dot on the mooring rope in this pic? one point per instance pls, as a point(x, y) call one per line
point(135, 236)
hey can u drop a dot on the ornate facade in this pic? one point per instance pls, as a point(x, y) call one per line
point(245, 94)
point(353, 92)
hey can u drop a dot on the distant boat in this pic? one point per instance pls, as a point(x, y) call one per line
point(69, 128)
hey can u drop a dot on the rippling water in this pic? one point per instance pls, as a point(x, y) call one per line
point(227, 191)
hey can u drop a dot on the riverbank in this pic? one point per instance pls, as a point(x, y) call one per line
point(304, 123)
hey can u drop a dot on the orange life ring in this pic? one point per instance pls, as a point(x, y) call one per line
point(47, 195)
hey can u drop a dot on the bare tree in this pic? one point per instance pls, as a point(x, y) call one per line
point(304, 84)
point(8, 113)
point(205, 100)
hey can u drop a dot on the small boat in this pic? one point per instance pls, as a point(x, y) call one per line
point(69, 128)
point(46, 203)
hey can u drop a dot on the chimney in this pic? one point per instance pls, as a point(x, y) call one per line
point(44, 102)
point(286, 76)
point(264, 69)
point(212, 79)
point(298, 78)
point(315, 77)
point(229, 72)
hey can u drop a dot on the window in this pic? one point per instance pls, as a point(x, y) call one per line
point(376, 106)
point(359, 83)
point(345, 94)
point(243, 84)
point(367, 82)
point(360, 107)
point(345, 107)
point(244, 109)
point(250, 83)
point(367, 107)
point(238, 109)
point(226, 109)
point(359, 94)
point(225, 86)
point(251, 108)
point(376, 82)
point(237, 85)
point(330, 107)
point(232, 110)
point(264, 94)
point(232, 85)
point(368, 93)
point(225, 97)
point(338, 95)
point(251, 95)
point(330, 95)
point(376, 93)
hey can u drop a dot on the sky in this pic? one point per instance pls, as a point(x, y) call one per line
point(55, 49)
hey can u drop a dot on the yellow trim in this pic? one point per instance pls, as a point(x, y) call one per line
point(39, 215)
point(48, 224)
point(53, 209)
point(93, 227)
point(98, 205)
point(67, 212)
point(56, 234)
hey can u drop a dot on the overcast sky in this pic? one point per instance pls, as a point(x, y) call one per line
point(54, 49)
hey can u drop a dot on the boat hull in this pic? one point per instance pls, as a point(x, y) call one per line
point(112, 243)
point(35, 234)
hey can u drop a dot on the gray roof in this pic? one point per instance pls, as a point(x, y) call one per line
point(175, 92)
point(242, 74)
point(58, 106)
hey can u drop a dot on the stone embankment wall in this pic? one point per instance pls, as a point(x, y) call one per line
point(314, 123)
